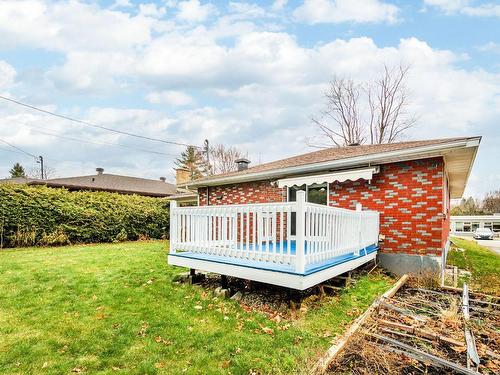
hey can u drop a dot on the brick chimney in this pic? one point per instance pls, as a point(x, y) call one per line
point(181, 176)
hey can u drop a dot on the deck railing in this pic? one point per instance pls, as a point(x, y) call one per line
point(263, 232)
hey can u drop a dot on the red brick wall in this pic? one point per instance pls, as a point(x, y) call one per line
point(246, 192)
point(408, 195)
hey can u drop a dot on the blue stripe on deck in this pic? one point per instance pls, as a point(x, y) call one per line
point(270, 266)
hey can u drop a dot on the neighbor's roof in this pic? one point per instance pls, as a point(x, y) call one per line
point(18, 180)
point(344, 157)
point(113, 183)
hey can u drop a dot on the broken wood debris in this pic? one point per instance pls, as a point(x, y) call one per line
point(424, 330)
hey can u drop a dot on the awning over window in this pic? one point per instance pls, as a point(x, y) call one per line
point(352, 175)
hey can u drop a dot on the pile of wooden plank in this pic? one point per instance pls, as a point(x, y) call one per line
point(412, 329)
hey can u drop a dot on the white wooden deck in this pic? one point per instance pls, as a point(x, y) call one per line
point(256, 241)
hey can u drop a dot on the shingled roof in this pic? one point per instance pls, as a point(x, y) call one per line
point(113, 183)
point(325, 155)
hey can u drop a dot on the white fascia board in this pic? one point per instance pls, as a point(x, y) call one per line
point(379, 158)
point(476, 217)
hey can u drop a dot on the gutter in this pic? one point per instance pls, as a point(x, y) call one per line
point(379, 158)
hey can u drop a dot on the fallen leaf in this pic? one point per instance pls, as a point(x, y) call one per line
point(268, 330)
point(142, 331)
point(198, 307)
point(77, 370)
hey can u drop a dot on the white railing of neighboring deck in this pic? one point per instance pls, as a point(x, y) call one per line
point(263, 232)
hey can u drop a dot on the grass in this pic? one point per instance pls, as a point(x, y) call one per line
point(113, 308)
point(482, 263)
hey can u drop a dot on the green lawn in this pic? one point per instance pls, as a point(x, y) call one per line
point(482, 263)
point(113, 308)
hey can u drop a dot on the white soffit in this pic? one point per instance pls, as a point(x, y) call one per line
point(352, 175)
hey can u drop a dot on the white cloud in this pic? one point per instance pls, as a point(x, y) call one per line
point(336, 11)
point(152, 10)
point(175, 98)
point(279, 5)
point(194, 11)
point(70, 26)
point(466, 7)
point(7, 75)
point(485, 10)
point(490, 47)
point(121, 4)
point(247, 10)
point(448, 5)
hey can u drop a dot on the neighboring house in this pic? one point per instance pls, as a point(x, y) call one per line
point(253, 224)
point(466, 225)
point(183, 196)
point(107, 182)
point(18, 180)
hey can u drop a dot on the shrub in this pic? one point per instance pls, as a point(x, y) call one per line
point(39, 215)
point(56, 238)
point(122, 236)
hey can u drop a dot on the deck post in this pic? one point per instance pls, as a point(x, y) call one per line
point(173, 226)
point(300, 259)
point(359, 208)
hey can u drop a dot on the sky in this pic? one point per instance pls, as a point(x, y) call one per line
point(246, 74)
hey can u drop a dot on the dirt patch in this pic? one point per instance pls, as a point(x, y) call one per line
point(279, 302)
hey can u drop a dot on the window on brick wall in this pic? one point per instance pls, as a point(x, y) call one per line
point(467, 227)
point(475, 226)
point(459, 226)
point(496, 227)
point(488, 225)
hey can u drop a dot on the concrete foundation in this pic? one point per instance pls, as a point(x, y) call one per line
point(400, 264)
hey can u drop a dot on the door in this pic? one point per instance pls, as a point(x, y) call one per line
point(316, 193)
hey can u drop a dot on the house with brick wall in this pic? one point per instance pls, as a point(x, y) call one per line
point(326, 204)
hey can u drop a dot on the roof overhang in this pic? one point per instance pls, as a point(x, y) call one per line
point(184, 197)
point(351, 175)
point(459, 156)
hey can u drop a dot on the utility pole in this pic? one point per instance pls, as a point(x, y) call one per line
point(206, 148)
point(40, 160)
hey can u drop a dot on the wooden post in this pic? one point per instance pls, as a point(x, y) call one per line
point(223, 281)
point(173, 226)
point(359, 208)
point(300, 261)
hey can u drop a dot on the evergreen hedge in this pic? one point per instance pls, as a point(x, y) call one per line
point(39, 215)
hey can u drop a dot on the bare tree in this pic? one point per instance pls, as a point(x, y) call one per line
point(342, 109)
point(388, 102)
point(374, 112)
point(48, 172)
point(222, 158)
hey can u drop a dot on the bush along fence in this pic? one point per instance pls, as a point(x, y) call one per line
point(38, 215)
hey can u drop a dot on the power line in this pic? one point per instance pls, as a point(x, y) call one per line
point(13, 151)
point(94, 125)
point(19, 149)
point(97, 143)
